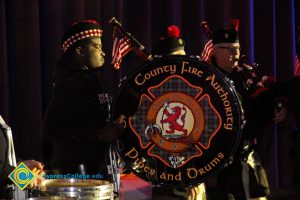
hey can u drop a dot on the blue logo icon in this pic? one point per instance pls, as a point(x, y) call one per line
point(22, 176)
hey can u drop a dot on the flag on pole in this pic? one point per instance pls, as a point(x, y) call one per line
point(206, 42)
point(207, 50)
point(121, 46)
point(297, 67)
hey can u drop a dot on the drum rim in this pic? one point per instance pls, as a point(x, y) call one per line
point(104, 184)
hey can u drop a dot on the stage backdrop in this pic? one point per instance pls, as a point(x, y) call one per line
point(30, 38)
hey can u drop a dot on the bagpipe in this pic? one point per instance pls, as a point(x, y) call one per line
point(124, 42)
point(251, 75)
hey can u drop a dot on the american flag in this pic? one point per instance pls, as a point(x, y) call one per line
point(207, 51)
point(297, 67)
point(121, 46)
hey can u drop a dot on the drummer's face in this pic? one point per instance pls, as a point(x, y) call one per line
point(227, 55)
point(94, 54)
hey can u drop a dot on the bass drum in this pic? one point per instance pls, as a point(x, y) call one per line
point(185, 121)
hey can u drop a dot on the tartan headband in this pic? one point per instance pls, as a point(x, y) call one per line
point(79, 31)
point(80, 36)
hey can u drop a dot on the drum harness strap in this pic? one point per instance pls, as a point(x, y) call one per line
point(11, 159)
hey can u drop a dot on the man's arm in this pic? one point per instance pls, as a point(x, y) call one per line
point(5, 170)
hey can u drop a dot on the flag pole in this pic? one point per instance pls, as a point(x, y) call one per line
point(137, 46)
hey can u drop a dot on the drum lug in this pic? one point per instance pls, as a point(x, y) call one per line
point(231, 82)
point(243, 123)
point(229, 162)
point(157, 56)
point(122, 81)
point(195, 57)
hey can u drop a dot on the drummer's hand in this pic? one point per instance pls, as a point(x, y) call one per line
point(34, 165)
point(37, 182)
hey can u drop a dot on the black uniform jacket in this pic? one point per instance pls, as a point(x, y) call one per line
point(76, 112)
point(5, 168)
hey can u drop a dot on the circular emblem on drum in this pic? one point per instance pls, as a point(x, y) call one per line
point(184, 124)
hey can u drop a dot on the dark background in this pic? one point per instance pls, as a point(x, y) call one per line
point(31, 32)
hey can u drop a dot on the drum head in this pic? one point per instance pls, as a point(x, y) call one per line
point(185, 121)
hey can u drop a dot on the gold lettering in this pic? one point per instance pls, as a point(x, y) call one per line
point(194, 71)
point(147, 76)
point(173, 69)
point(201, 170)
point(215, 161)
point(166, 68)
point(178, 176)
point(182, 68)
point(137, 81)
point(220, 155)
point(192, 172)
point(229, 120)
point(200, 73)
point(190, 70)
point(228, 126)
point(170, 177)
point(224, 96)
point(152, 172)
point(220, 91)
point(226, 103)
point(211, 78)
point(147, 169)
point(153, 72)
point(216, 86)
point(160, 70)
point(163, 176)
point(139, 163)
point(135, 153)
point(228, 111)
point(140, 79)
point(207, 167)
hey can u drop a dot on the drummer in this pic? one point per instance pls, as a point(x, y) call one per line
point(172, 44)
point(233, 181)
point(76, 119)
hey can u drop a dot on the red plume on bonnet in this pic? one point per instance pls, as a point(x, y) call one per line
point(173, 31)
point(235, 24)
point(87, 21)
point(169, 44)
point(91, 21)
